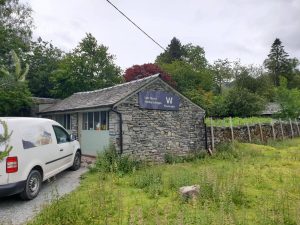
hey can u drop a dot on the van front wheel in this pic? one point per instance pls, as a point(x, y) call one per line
point(77, 161)
point(33, 185)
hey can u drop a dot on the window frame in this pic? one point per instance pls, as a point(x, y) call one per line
point(98, 119)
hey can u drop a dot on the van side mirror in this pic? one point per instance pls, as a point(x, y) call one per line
point(73, 137)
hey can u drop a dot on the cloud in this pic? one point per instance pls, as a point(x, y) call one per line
point(231, 29)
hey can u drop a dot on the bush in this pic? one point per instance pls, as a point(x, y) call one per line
point(218, 108)
point(241, 102)
point(111, 161)
point(289, 100)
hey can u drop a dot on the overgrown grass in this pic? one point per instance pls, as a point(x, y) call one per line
point(237, 121)
point(110, 161)
point(241, 184)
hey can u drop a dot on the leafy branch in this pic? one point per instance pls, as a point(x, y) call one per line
point(19, 74)
point(4, 138)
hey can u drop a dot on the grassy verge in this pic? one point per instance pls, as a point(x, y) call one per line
point(242, 184)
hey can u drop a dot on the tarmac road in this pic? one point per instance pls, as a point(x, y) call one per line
point(13, 210)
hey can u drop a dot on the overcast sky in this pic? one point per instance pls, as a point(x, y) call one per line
point(234, 29)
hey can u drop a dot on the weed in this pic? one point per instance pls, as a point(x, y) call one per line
point(110, 161)
point(172, 159)
point(149, 180)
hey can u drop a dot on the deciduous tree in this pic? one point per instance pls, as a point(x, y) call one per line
point(222, 72)
point(187, 78)
point(140, 71)
point(88, 67)
point(16, 25)
point(195, 56)
point(43, 60)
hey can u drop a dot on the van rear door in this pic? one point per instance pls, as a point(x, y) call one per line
point(3, 174)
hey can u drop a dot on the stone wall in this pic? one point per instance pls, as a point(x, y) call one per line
point(257, 133)
point(150, 134)
point(74, 124)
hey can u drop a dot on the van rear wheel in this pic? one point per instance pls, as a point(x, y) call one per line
point(77, 161)
point(33, 185)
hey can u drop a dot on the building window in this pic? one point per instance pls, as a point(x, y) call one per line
point(90, 121)
point(64, 120)
point(103, 124)
point(95, 120)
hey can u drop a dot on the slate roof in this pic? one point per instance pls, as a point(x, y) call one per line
point(99, 98)
point(39, 100)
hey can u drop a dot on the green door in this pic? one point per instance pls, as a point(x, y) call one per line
point(93, 141)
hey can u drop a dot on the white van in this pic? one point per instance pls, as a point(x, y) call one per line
point(39, 149)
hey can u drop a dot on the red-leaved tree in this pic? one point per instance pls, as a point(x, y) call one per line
point(140, 71)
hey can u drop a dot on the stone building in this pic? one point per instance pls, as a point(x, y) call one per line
point(146, 117)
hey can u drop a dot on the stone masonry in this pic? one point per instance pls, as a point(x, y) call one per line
point(150, 134)
point(262, 133)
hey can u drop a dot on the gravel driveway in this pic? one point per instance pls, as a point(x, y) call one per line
point(15, 211)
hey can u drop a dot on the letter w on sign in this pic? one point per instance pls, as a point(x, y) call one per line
point(169, 100)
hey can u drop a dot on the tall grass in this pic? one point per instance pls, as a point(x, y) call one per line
point(241, 184)
point(110, 161)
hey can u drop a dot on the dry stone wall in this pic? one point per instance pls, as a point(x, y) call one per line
point(255, 133)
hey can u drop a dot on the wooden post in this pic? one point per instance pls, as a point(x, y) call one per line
point(291, 125)
point(261, 134)
point(231, 127)
point(297, 127)
point(273, 131)
point(212, 135)
point(282, 134)
point(249, 134)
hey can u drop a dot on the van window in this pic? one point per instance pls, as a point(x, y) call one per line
point(61, 135)
point(35, 136)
